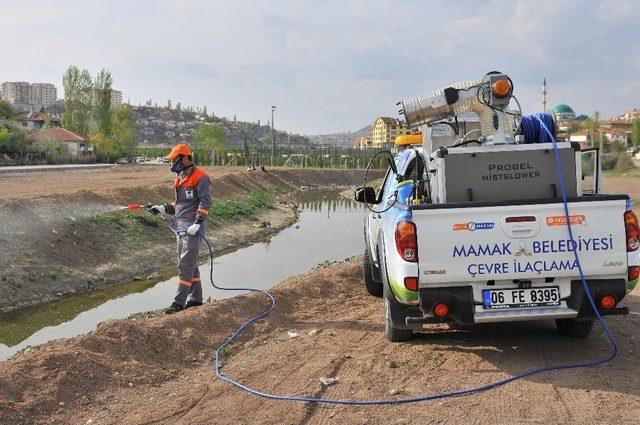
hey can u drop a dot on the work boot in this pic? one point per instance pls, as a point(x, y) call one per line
point(173, 308)
point(192, 303)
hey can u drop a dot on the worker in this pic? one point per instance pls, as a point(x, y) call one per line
point(191, 206)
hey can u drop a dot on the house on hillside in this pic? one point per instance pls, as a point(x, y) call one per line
point(76, 144)
point(362, 142)
point(36, 121)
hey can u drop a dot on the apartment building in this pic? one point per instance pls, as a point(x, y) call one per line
point(16, 93)
point(43, 94)
point(385, 131)
point(116, 99)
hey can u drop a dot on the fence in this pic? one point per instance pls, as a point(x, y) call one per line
point(298, 156)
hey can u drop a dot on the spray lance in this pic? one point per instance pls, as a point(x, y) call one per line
point(147, 206)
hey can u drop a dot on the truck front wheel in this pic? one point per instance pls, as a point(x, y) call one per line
point(574, 328)
point(373, 288)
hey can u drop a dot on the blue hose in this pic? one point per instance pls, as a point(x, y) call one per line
point(457, 393)
point(533, 131)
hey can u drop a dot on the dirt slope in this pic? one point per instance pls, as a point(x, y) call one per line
point(159, 370)
point(56, 241)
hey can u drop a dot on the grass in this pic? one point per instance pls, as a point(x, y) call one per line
point(104, 219)
point(146, 219)
point(278, 190)
point(53, 275)
point(230, 208)
point(225, 209)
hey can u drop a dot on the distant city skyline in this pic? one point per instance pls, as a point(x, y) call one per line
point(331, 66)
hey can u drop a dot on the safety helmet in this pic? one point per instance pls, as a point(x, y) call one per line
point(178, 150)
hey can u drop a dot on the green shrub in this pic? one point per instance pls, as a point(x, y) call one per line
point(243, 207)
point(259, 200)
point(624, 163)
point(619, 161)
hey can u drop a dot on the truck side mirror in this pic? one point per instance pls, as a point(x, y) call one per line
point(365, 195)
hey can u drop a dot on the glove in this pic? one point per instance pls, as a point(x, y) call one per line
point(156, 209)
point(193, 229)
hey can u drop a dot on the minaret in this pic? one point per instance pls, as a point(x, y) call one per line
point(544, 95)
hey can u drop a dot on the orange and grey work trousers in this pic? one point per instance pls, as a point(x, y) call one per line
point(189, 285)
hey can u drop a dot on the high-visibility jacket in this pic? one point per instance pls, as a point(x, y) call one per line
point(193, 196)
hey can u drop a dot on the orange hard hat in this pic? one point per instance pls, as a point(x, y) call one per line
point(178, 150)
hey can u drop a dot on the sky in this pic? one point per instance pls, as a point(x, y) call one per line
point(329, 66)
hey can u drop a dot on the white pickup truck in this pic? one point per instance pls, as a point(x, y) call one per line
point(476, 234)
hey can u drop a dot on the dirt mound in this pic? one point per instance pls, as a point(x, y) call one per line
point(138, 351)
point(159, 370)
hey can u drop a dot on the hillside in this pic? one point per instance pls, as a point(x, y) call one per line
point(162, 126)
point(344, 138)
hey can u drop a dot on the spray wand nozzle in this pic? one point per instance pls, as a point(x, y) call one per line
point(136, 207)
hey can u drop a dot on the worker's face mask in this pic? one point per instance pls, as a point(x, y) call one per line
point(178, 167)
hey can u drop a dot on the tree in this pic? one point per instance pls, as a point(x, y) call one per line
point(123, 131)
point(210, 138)
point(78, 100)
point(6, 110)
point(5, 140)
point(49, 146)
point(178, 107)
point(102, 102)
point(204, 110)
point(635, 131)
point(122, 141)
point(169, 104)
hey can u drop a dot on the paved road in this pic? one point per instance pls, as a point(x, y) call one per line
point(38, 168)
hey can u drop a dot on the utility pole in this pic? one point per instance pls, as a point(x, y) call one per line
point(544, 95)
point(273, 139)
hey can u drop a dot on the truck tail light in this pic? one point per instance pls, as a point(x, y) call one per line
point(440, 310)
point(608, 302)
point(634, 273)
point(520, 219)
point(632, 231)
point(407, 241)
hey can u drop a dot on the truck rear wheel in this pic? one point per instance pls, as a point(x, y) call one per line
point(574, 328)
point(373, 288)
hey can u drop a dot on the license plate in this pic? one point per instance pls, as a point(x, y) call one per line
point(516, 298)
